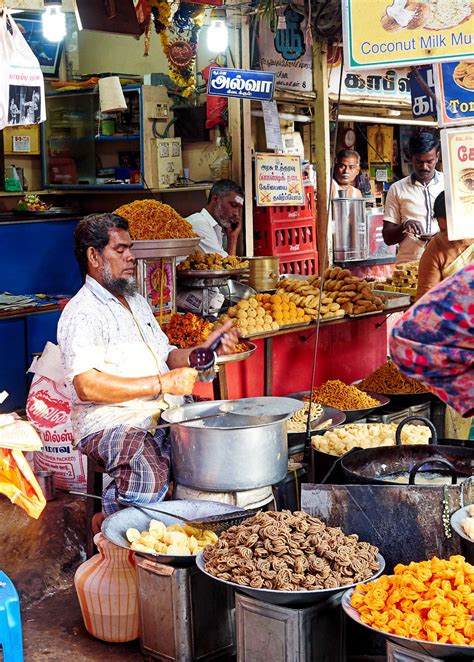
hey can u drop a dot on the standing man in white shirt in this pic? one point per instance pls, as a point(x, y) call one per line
point(120, 367)
point(220, 219)
point(346, 169)
point(408, 216)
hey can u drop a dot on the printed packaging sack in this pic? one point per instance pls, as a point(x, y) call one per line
point(48, 408)
point(22, 89)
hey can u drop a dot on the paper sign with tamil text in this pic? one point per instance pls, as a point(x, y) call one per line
point(278, 180)
point(457, 147)
point(455, 93)
point(397, 33)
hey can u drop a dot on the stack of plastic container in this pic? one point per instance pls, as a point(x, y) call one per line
point(290, 233)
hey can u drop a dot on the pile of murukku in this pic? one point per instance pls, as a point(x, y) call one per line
point(335, 393)
point(151, 219)
point(286, 551)
point(430, 601)
point(388, 379)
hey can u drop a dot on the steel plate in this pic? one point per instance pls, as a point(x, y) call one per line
point(443, 651)
point(290, 598)
point(241, 356)
point(169, 247)
point(467, 544)
point(351, 414)
point(403, 399)
point(261, 406)
point(115, 526)
point(205, 273)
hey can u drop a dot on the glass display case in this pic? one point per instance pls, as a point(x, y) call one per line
point(84, 148)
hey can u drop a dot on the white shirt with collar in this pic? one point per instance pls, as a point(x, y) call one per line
point(211, 233)
point(410, 199)
point(96, 331)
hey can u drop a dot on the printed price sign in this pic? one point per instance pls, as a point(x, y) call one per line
point(21, 144)
point(279, 180)
point(455, 92)
point(422, 92)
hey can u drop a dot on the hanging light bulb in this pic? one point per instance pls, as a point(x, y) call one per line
point(54, 21)
point(217, 33)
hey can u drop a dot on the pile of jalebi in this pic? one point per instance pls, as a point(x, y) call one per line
point(151, 219)
point(430, 601)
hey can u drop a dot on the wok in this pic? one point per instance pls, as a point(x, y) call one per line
point(366, 466)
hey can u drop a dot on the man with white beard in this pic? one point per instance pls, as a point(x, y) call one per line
point(220, 220)
point(120, 368)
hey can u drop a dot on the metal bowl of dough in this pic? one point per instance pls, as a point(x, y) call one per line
point(288, 598)
point(115, 526)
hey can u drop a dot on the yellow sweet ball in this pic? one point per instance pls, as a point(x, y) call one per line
point(306, 318)
point(266, 297)
point(260, 312)
point(259, 328)
point(267, 327)
point(300, 312)
point(253, 303)
point(232, 312)
point(260, 298)
point(243, 304)
point(241, 314)
point(275, 298)
point(285, 306)
point(275, 326)
point(268, 319)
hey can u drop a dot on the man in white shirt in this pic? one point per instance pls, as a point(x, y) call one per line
point(120, 368)
point(346, 169)
point(220, 219)
point(408, 214)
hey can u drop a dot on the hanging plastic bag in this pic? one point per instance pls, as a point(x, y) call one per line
point(22, 90)
point(18, 483)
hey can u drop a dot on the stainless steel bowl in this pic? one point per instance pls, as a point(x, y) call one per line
point(289, 598)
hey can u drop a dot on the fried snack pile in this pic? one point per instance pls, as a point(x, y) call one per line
point(297, 422)
point(151, 219)
point(429, 601)
point(354, 295)
point(211, 262)
point(388, 379)
point(187, 330)
point(287, 551)
point(306, 294)
point(368, 435)
point(335, 393)
point(176, 540)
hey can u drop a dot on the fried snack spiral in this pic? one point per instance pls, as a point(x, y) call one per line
point(270, 550)
point(429, 601)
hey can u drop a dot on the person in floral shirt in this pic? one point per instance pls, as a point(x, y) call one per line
point(434, 341)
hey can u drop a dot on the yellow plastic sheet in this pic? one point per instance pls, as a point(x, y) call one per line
point(18, 483)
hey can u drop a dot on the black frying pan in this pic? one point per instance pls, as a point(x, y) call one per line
point(366, 466)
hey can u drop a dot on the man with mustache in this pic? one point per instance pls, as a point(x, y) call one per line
point(408, 215)
point(120, 367)
point(219, 223)
point(346, 169)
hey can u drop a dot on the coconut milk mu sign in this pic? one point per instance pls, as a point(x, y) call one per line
point(241, 84)
point(381, 33)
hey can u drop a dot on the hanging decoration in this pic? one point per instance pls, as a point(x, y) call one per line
point(178, 26)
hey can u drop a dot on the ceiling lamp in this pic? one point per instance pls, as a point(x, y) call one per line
point(217, 33)
point(53, 20)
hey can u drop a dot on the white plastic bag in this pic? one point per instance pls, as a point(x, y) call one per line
point(48, 408)
point(22, 90)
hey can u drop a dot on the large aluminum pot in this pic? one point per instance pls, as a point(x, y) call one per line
point(225, 454)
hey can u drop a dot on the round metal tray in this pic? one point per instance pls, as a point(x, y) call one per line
point(351, 414)
point(241, 356)
point(289, 598)
point(164, 247)
point(443, 651)
point(204, 273)
point(402, 399)
point(467, 544)
point(115, 526)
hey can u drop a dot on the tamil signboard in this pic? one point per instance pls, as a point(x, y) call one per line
point(455, 92)
point(457, 146)
point(380, 33)
point(278, 180)
point(283, 50)
point(241, 84)
point(392, 85)
point(422, 92)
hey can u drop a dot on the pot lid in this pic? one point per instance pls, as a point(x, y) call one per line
point(263, 406)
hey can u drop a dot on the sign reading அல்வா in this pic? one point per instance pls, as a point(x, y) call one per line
point(381, 33)
point(278, 180)
point(241, 84)
point(455, 93)
point(457, 147)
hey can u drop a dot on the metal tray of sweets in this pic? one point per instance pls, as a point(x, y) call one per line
point(240, 356)
point(434, 650)
point(207, 273)
point(288, 598)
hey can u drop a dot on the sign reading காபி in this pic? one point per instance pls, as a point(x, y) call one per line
point(381, 33)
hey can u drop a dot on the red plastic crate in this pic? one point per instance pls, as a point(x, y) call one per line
point(300, 264)
point(283, 237)
point(287, 212)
